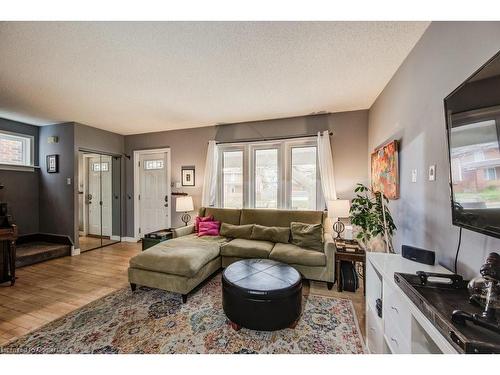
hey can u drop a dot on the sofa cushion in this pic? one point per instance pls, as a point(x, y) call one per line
point(309, 236)
point(271, 234)
point(183, 256)
point(280, 218)
point(236, 231)
point(243, 248)
point(292, 254)
point(208, 228)
point(224, 215)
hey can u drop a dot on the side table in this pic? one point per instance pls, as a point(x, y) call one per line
point(8, 236)
point(351, 256)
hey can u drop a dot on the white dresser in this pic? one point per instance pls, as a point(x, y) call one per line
point(402, 328)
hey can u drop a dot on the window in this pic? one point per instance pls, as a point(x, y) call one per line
point(266, 178)
point(303, 178)
point(153, 164)
point(490, 174)
point(270, 174)
point(16, 149)
point(232, 179)
point(100, 167)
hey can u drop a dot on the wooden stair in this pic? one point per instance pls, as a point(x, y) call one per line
point(36, 248)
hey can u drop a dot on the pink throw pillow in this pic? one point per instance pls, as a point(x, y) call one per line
point(200, 219)
point(208, 228)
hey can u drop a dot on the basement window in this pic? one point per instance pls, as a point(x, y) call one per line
point(16, 150)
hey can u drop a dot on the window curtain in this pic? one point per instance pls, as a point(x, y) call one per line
point(325, 163)
point(209, 193)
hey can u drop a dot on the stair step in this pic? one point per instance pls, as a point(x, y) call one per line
point(39, 251)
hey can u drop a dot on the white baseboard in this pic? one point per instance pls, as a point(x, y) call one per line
point(75, 251)
point(130, 239)
point(115, 238)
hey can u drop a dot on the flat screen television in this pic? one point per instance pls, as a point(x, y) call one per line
point(473, 128)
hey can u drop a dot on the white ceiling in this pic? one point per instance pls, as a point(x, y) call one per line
point(137, 77)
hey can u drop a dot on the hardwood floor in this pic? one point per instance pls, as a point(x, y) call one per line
point(46, 291)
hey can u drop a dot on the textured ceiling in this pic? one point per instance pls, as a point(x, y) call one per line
point(136, 77)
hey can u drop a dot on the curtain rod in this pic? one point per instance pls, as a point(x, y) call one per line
point(272, 139)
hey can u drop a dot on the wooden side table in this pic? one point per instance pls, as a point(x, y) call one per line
point(352, 256)
point(9, 235)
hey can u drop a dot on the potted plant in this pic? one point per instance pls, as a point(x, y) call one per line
point(370, 213)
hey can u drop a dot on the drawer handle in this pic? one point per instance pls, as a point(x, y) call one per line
point(395, 309)
point(394, 340)
point(372, 329)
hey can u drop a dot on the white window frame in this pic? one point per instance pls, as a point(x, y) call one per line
point(284, 148)
point(487, 175)
point(28, 149)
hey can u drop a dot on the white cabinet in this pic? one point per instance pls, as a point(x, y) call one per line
point(402, 329)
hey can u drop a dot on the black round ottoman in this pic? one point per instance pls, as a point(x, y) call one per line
point(261, 294)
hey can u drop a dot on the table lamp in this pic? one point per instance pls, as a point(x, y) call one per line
point(339, 209)
point(184, 204)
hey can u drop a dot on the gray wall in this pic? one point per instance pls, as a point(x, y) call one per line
point(21, 187)
point(410, 108)
point(188, 147)
point(56, 196)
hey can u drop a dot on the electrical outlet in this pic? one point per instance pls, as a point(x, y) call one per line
point(432, 172)
point(68, 181)
point(413, 175)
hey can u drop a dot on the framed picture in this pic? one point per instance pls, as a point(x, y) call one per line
point(52, 163)
point(187, 176)
point(385, 170)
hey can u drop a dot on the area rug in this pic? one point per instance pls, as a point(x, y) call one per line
point(155, 321)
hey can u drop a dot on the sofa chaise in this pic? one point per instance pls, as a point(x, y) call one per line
point(181, 264)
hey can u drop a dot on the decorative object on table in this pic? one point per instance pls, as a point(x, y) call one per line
point(385, 170)
point(184, 204)
point(338, 209)
point(370, 213)
point(188, 176)
point(348, 246)
point(155, 238)
point(52, 163)
point(485, 293)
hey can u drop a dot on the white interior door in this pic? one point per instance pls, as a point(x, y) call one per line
point(154, 191)
point(99, 195)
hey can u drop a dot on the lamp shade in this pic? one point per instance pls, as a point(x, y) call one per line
point(184, 204)
point(339, 208)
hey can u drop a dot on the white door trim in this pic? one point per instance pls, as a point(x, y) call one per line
point(136, 155)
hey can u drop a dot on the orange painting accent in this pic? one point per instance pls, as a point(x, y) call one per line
point(385, 170)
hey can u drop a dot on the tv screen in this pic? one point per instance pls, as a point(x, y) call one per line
point(473, 128)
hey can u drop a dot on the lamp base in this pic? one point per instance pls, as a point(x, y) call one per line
point(338, 227)
point(186, 218)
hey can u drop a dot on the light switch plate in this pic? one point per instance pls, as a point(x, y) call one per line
point(413, 175)
point(432, 172)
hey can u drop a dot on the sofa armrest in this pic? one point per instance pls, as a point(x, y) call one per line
point(330, 248)
point(183, 231)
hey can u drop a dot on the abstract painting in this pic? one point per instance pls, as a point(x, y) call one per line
point(385, 170)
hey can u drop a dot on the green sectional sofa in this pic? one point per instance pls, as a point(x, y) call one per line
point(181, 264)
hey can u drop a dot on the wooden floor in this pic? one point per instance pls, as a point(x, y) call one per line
point(46, 291)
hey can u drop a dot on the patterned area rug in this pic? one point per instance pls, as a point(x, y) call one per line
point(155, 321)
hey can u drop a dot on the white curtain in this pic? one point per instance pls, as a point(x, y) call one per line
point(209, 193)
point(325, 161)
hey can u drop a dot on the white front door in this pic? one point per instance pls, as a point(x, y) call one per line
point(99, 195)
point(154, 192)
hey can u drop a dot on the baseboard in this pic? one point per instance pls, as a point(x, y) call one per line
point(75, 251)
point(116, 238)
point(130, 239)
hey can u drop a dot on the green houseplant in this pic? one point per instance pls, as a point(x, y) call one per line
point(369, 212)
